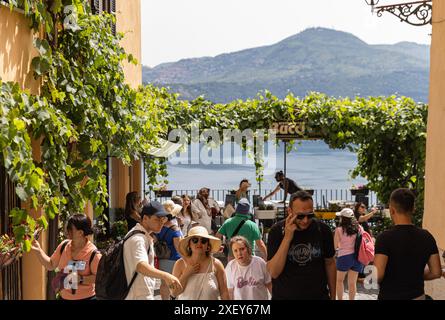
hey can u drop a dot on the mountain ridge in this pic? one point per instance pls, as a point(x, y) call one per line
point(317, 59)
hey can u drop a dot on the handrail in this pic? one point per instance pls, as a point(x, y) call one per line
point(321, 197)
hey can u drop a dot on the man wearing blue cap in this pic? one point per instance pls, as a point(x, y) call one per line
point(241, 222)
point(139, 255)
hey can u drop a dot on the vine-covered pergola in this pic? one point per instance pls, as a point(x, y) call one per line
point(86, 112)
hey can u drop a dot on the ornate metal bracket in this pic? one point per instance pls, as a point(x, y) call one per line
point(418, 13)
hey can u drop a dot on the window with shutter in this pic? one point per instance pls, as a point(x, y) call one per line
point(96, 6)
point(19, 6)
point(112, 10)
point(109, 6)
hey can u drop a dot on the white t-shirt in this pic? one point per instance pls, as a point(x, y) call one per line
point(135, 251)
point(248, 282)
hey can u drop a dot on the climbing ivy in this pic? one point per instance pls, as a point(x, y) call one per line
point(86, 112)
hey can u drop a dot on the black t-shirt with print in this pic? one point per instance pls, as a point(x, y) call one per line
point(304, 274)
point(408, 249)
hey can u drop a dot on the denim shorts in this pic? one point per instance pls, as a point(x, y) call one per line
point(348, 262)
point(166, 265)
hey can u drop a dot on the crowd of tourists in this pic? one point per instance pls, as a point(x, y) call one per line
point(177, 243)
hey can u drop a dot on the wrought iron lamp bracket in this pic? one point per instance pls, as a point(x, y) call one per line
point(418, 13)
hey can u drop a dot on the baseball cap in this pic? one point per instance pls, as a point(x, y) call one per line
point(243, 206)
point(346, 212)
point(154, 208)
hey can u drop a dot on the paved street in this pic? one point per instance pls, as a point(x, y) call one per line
point(362, 293)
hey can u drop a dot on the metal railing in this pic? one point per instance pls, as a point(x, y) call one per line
point(10, 276)
point(321, 197)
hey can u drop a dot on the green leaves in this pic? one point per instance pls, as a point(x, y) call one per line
point(40, 65)
point(86, 112)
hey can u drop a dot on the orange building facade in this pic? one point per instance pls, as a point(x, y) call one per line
point(16, 53)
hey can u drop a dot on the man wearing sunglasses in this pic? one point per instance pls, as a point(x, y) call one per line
point(301, 254)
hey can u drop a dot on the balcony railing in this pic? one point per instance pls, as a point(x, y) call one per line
point(321, 196)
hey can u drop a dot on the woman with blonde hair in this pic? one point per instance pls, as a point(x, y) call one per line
point(201, 275)
point(247, 275)
point(185, 217)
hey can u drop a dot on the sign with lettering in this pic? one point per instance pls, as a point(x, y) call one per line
point(292, 131)
point(288, 130)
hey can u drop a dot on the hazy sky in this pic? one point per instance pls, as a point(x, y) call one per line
point(177, 29)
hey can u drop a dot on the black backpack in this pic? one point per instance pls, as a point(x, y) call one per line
point(161, 247)
point(111, 281)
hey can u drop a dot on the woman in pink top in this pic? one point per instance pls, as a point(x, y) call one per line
point(344, 242)
point(76, 259)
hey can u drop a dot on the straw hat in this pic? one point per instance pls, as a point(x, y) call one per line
point(176, 210)
point(201, 232)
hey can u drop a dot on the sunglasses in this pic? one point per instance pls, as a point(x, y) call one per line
point(196, 240)
point(309, 215)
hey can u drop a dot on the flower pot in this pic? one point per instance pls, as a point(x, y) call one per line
point(9, 257)
point(363, 191)
point(164, 193)
point(265, 214)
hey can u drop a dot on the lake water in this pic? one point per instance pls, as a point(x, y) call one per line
point(313, 165)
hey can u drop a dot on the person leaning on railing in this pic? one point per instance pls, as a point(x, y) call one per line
point(288, 185)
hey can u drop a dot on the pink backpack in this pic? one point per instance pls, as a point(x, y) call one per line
point(364, 247)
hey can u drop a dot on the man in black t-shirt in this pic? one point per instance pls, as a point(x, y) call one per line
point(403, 252)
point(301, 254)
point(288, 185)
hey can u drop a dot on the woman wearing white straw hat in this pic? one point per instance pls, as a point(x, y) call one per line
point(201, 275)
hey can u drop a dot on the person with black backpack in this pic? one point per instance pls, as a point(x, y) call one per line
point(127, 270)
point(139, 255)
point(76, 259)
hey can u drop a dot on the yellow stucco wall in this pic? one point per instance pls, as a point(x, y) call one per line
point(16, 53)
point(128, 21)
point(16, 49)
point(434, 217)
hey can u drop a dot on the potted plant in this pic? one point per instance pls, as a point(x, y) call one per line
point(359, 189)
point(162, 192)
point(265, 212)
point(9, 251)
